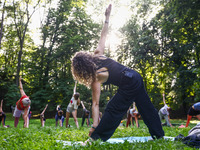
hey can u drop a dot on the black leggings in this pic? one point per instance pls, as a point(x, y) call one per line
point(117, 108)
point(85, 116)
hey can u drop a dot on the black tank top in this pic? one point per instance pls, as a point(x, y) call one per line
point(115, 70)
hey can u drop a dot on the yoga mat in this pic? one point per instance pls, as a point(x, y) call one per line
point(117, 140)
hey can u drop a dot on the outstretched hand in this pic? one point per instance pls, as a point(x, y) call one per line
point(108, 10)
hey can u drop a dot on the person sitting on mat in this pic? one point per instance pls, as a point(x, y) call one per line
point(73, 106)
point(132, 113)
point(22, 107)
point(95, 69)
point(164, 113)
point(194, 111)
point(42, 118)
point(86, 114)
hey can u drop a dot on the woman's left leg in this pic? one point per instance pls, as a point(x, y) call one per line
point(115, 110)
point(128, 119)
point(67, 119)
point(149, 114)
point(74, 114)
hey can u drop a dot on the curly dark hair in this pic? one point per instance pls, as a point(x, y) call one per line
point(84, 67)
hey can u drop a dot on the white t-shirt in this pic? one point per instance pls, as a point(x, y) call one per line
point(164, 110)
point(73, 103)
point(131, 111)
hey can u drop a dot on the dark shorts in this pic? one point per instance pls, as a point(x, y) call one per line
point(193, 112)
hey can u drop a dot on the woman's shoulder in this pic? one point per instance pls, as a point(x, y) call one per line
point(100, 56)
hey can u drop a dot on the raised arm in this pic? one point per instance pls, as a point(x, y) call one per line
point(1, 110)
point(57, 107)
point(164, 98)
point(104, 32)
point(21, 87)
point(75, 87)
point(44, 109)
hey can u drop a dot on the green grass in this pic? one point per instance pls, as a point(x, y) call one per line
point(44, 138)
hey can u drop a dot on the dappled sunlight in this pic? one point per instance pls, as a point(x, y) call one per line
point(195, 121)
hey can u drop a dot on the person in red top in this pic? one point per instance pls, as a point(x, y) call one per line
point(22, 107)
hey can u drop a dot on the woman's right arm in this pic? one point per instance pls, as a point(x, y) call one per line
point(164, 98)
point(104, 32)
point(96, 91)
point(21, 87)
point(44, 109)
point(75, 87)
point(1, 107)
point(57, 107)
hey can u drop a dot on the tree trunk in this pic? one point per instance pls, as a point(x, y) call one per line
point(19, 66)
point(2, 19)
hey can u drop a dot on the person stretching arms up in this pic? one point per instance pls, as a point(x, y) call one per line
point(73, 106)
point(22, 107)
point(94, 69)
point(42, 118)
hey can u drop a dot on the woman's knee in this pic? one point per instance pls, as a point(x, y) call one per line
point(75, 119)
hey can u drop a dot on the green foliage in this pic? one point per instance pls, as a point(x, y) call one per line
point(196, 85)
point(67, 30)
point(165, 50)
point(12, 95)
point(46, 69)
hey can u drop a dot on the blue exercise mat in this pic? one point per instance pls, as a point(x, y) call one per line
point(118, 140)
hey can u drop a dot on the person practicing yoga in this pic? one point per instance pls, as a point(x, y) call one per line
point(73, 106)
point(59, 116)
point(194, 111)
point(2, 115)
point(42, 118)
point(86, 114)
point(164, 113)
point(132, 113)
point(22, 107)
point(94, 69)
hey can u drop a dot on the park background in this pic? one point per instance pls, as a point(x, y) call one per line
point(158, 38)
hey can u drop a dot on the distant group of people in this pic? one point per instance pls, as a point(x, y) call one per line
point(23, 107)
point(194, 111)
point(163, 113)
point(72, 109)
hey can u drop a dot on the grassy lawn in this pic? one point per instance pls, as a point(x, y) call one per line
point(44, 138)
